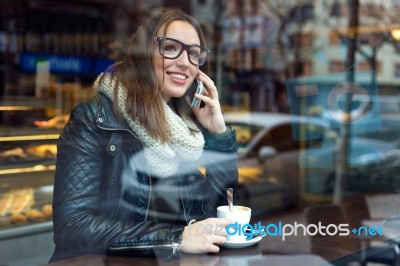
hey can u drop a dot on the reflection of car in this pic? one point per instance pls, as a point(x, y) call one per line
point(269, 148)
point(297, 154)
point(374, 158)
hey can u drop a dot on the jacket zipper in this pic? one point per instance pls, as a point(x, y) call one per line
point(183, 204)
point(148, 202)
point(148, 173)
point(174, 246)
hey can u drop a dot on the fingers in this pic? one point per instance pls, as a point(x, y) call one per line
point(205, 235)
point(204, 98)
point(213, 249)
point(210, 87)
point(218, 226)
point(204, 78)
point(218, 239)
point(211, 226)
point(218, 230)
point(222, 221)
point(215, 241)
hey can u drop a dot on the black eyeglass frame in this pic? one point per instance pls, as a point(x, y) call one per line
point(185, 47)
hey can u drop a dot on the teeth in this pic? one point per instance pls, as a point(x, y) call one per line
point(178, 76)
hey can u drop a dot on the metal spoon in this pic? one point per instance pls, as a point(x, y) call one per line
point(229, 196)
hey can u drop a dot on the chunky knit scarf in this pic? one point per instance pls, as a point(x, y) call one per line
point(186, 140)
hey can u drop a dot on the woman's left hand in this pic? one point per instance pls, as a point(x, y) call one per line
point(210, 116)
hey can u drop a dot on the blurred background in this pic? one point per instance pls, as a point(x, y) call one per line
point(312, 88)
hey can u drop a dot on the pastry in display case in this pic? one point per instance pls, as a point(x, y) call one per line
point(26, 179)
point(25, 155)
point(29, 129)
point(31, 153)
point(26, 189)
point(55, 122)
point(42, 151)
point(23, 206)
point(12, 154)
point(27, 164)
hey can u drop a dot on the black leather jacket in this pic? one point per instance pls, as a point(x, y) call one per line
point(100, 198)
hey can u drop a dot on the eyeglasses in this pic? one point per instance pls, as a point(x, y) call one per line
point(170, 48)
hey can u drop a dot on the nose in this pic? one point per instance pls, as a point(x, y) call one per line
point(183, 59)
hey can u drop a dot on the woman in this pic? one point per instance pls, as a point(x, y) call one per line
point(127, 178)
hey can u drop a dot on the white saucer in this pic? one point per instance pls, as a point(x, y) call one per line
point(244, 244)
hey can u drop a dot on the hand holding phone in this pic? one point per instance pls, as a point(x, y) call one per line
point(196, 102)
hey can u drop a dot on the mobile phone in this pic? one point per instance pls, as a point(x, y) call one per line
point(196, 102)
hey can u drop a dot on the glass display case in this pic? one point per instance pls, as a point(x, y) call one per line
point(27, 161)
point(29, 129)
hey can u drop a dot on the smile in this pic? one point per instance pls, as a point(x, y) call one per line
point(177, 76)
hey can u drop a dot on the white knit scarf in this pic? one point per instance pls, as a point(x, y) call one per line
point(186, 141)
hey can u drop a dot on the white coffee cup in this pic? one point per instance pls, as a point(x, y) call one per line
point(240, 215)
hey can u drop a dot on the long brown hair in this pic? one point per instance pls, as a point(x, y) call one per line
point(136, 72)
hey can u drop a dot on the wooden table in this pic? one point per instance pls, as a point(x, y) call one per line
point(269, 251)
point(253, 255)
point(194, 260)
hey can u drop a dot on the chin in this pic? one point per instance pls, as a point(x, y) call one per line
point(177, 93)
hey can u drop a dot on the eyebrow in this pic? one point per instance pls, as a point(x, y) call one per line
point(182, 41)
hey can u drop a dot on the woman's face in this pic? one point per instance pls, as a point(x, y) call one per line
point(176, 75)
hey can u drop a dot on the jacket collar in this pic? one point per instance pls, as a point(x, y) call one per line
point(106, 117)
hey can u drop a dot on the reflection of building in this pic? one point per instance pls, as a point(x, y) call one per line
point(311, 39)
point(54, 51)
point(321, 41)
point(71, 35)
point(252, 62)
point(318, 39)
